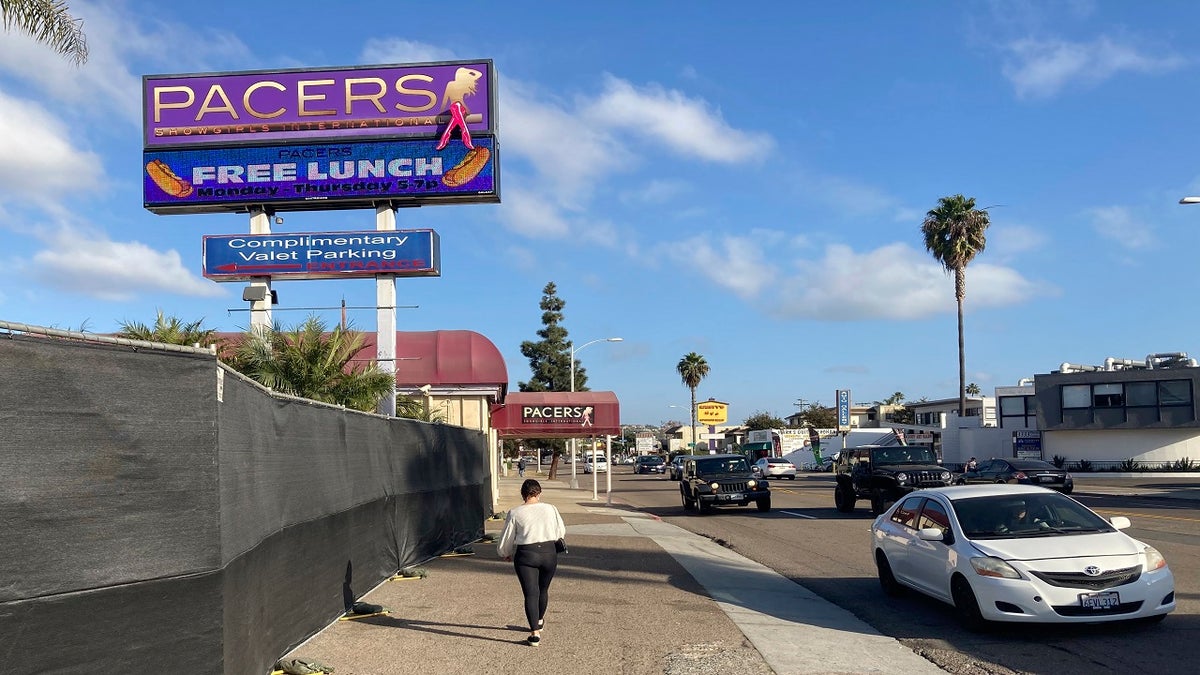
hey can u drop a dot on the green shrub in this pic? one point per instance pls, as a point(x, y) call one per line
point(1129, 465)
point(1083, 465)
point(1059, 461)
point(1184, 464)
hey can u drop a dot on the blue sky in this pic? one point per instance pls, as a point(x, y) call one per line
point(742, 180)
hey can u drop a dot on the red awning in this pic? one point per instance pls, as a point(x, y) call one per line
point(557, 414)
point(442, 358)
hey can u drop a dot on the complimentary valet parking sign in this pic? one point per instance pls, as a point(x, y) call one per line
point(322, 255)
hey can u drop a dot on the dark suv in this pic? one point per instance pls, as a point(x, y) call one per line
point(884, 474)
point(721, 480)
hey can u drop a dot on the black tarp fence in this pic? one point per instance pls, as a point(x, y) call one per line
point(161, 514)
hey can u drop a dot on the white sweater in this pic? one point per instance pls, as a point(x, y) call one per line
point(529, 524)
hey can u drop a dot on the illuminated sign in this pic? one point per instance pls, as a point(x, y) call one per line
point(712, 412)
point(319, 176)
point(322, 255)
point(387, 101)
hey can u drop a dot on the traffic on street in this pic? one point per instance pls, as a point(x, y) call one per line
point(808, 540)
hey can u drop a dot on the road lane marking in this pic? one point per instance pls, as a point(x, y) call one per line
point(799, 515)
point(1137, 516)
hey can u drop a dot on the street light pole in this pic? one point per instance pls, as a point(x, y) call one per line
point(574, 350)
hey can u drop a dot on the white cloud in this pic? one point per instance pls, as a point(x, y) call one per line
point(88, 264)
point(1008, 241)
point(37, 160)
point(104, 86)
point(687, 126)
point(1042, 68)
point(1117, 224)
point(532, 215)
point(575, 146)
point(395, 50)
point(735, 263)
point(893, 282)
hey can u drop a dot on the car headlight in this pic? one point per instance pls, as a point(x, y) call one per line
point(1154, 559)
point(946, 476)
point(994, 567)
point(751, 483)
point(714, 486)
point(902, 478)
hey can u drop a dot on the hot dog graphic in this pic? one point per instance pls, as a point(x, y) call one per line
point(470, 166)
point(166, 179)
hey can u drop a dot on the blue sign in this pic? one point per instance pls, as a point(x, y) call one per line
point(843, 403)
point(322, 255)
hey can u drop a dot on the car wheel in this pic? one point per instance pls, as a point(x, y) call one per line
point(886, 579)
point(764, 504)
point(688, 504)
point(966, 606)
point(843, 499)
point(878, 502)
point(1068, 490)
point(703, 506)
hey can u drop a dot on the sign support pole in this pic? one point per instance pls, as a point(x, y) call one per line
point(260, 310)
point(385, 316)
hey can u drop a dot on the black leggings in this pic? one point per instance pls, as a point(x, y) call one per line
point(535, 565)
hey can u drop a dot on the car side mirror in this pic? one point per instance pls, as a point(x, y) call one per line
point(936, 534)
point(1119, 522)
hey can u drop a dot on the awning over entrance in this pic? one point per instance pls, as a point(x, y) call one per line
point(557, 414)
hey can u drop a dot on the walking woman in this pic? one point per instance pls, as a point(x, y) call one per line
point(528, 540)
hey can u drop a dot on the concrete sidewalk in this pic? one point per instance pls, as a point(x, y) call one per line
point(634, 595)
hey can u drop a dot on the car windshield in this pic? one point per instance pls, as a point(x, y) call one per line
point(905, 454)
point(717, 465)
point(651, 460)
point(1026, 515)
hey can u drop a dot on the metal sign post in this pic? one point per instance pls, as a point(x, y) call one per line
point(385, 313)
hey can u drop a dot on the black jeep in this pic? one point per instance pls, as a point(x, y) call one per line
point(884, 474)
point(721, 480)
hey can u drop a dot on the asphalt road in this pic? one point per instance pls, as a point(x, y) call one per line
point(807, 540)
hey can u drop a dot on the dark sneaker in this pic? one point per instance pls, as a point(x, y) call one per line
point(533, 640)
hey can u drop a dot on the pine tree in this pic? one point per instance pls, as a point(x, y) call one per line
point(550, 363)
point(550, 358)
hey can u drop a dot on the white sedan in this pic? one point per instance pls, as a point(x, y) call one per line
point(1019, 554)
point(774, 467)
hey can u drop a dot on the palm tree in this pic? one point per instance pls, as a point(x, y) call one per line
point(168, 330)
point(49, 22)
point(414, 409)
point(692, 368)
point(954, 235)
point(310, 363)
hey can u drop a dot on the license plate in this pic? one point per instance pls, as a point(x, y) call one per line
point(1046, 479)
point(1104, 600)
point(732, 498)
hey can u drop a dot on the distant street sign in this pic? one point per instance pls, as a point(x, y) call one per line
point(322, 255)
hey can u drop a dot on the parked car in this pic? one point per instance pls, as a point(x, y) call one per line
point(774, 467)
point(1019, 471)
point(1019, 553)
point(649, 464)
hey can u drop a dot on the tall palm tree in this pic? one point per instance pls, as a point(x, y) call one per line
point(49, 22)
point(692, 368)
point(954, 235)
point(311, 363)
point(169, 330)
